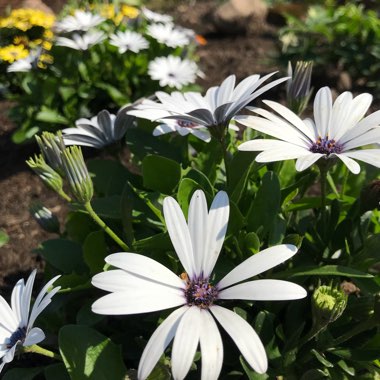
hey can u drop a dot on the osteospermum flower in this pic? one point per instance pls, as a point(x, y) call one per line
point(16, 320)
point(168, 35)
point(337, 130)
point(128, 40)
point(173, 71)
point(99, 131)
point(80, 21)
point(143, 285)
point(215, 109)
point(81, 42)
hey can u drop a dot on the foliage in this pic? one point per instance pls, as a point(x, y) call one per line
point(64, 84)
point(344, 37)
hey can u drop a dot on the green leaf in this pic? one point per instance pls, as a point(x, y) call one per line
point(56, 372)
point(48, 115)
point(22, 373)
point(265, 206)
point(322, 359)
point(158, 242)
point(107, 207)
point(79, 224)
point(64, 255)
point(201, 179)
point(252, 242)
point(251, 374)
point(109, 177)
point(4, 238)
point(94, 251)
point(160, 173)
point(88, 354)
point(86, 316)
point(327, 270)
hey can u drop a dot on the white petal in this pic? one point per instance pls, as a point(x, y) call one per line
point(8, 357)
point(258, 263)
point(340, 112)
point(179, 234)
point(306, 161)
point(162, 129)
point(197, 221)
point(8, 319)
point(202, 135)
point(211, 347)
point(144, 266)
point(151, 297)
point(16, 300)
point(370, 137)
point(246, 339)
point(322, 110)
point(216, 231)
point(34, 336)
point(352, 165)
point(286, 152)
point(291, 117)
point(26, 298)
point(186, 342)
point(266, 144)
point(158, 342)
point(264, 290)
point(355, 113)
point(370, 156)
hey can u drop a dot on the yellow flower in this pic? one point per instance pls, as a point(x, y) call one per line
point(21, 40)
point(24, 19)
point(107, 11)
point(44, 60)
point(128, 11)
point(13, 53)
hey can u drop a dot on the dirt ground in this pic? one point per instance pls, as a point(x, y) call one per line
point(223, 55)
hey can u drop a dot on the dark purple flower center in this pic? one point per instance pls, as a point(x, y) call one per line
point(186, 124)
point(201, 293)
point(18, 335)
point(326, 146)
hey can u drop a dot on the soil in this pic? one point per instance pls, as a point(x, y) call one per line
point(222, 55)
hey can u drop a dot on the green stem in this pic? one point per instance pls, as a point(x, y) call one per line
point(323, 180)
point(226, 160)
point(42, 351)
point(105, 228)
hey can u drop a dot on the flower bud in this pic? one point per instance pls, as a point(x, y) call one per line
point(328, 304)
point(44, 217)
point(298, 87)
point(77, 174)
point(51, 147)
point(48, 175)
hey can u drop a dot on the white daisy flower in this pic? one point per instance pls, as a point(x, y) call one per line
point(21, 65)
point(143, 285)
point(216, 108)
point(81, 42)
point(16, 321)
point(99, 131)
point(183, 128)
point(337, 130)
point(168, 35)
point(128, 40)
point(80, 21)
point(156, 17)
point(173, 71)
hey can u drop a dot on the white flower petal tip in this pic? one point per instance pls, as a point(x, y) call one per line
point(16, 321)
point(338, 130)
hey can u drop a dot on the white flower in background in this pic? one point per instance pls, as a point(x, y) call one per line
point(99, 131)
point(168, 35)
point(16, 321)
point(173, 71)
point(80, 21)
point(143, 285)
point(337, 130)
point(81, 42)
point(128, 40)
point(25, 64)
point(156, 17)
point(216, 108)
point(183, 128)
